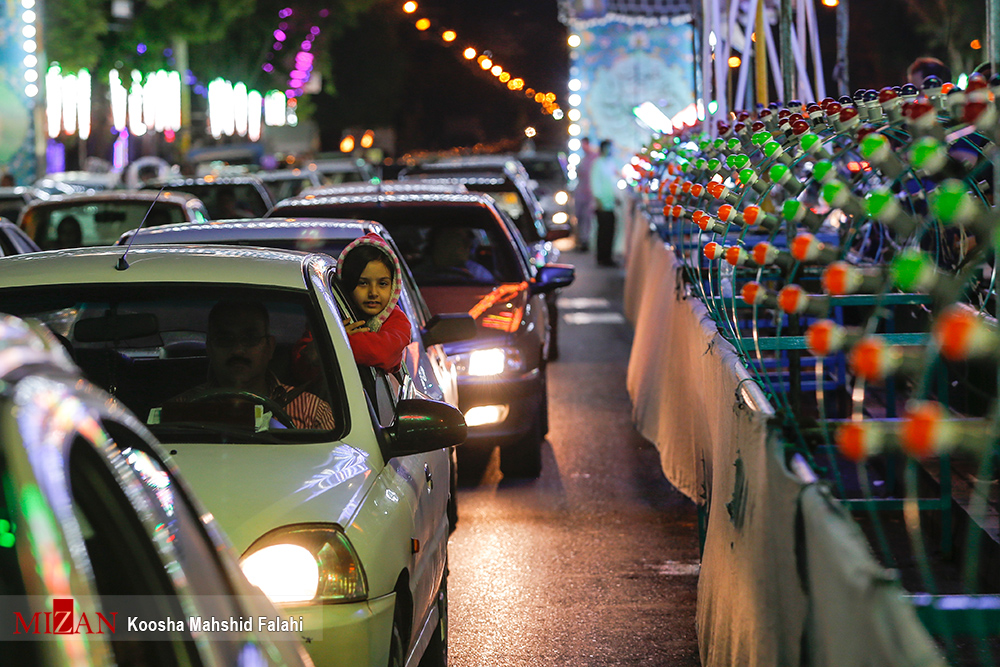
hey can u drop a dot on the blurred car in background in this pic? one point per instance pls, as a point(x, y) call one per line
point(332, 487)
point(342, 170)
point(505, 179)
point(13, 241)
point(68, 182)
point(547, 171)
point(414, 186)
point(502, 371)
point(225, 197)
point(99, 218)
point(284, 183)
point(92, 510)
point(14, 199)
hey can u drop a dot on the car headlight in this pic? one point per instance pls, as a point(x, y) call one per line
point(306, 563)
point(489, 361)
point(560, 217)
point(561, 197)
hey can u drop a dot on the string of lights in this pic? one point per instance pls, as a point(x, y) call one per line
point(485, 59)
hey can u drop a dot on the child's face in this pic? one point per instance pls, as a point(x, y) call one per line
point(374, 288)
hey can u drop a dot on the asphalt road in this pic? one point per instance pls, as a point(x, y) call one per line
point(596, 562)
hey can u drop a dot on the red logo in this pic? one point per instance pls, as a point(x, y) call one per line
point(63, 621)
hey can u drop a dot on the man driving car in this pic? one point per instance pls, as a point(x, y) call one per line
point(240, 347)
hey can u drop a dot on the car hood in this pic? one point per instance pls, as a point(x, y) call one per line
point(498, 310)
point(251, 489)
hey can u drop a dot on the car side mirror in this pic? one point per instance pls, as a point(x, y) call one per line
point(449, 328)
point(423, 425)
point(558, 231)
point(553, 276)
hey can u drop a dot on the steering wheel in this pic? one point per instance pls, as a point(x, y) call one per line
point(277, 411)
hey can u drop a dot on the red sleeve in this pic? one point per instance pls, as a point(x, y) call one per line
point(383, 348)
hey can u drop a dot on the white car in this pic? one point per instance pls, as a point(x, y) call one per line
point(99, 218)
point(332, 483)
point(429, 332)
point(96, 525)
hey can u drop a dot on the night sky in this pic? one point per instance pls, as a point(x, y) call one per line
point(388, 73)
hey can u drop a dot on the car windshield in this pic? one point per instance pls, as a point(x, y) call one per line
point(98, 223)
point(226, 201)
point(446, 245)
point(197, 362)
point(543, 169)
point(283, 188)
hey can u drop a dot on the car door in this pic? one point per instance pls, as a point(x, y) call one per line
point(426, 478)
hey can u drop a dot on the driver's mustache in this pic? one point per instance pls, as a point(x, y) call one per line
point(242, 360)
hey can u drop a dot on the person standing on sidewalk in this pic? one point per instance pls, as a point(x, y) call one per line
point(583, 195)
point(604, 184)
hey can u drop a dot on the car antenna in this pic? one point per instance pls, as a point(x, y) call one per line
point(122, 262)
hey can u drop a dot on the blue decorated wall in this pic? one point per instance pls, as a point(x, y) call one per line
point(17, 138)
point(623, 62)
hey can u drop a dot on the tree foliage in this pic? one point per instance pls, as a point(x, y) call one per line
point(224, 38)
point(949, 27)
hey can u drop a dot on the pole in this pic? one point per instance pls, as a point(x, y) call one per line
point(840, 69)
point(993, 32)
point(181, 61)
point(39, 124)
point(785, 38)
point(697, 49)
point(760, 57)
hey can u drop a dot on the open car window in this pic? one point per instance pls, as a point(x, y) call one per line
point(149, 347)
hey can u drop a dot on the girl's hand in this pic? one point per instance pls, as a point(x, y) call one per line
point(356, 327)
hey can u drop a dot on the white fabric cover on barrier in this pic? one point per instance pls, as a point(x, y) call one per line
point(765, 549)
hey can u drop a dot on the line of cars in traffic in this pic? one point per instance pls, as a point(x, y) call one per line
point(344, 524)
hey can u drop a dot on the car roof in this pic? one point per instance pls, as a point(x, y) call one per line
point(146, 196)
point(287, 174)
point(388, 187)
point(181, 264)
point(208, 179)
point(337, 164)
point(92, 179)
point(256, 229)
point(388, 198)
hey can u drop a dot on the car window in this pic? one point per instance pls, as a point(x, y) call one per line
point(94, 223)
point(383, 391)
point(283, 188)
point(226, 201)
point(544, 169)
point(416, 230)
point(153, 349)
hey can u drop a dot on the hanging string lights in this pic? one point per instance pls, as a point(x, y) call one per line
point(487, 63)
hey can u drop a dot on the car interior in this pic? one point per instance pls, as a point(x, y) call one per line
point(146, 346)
